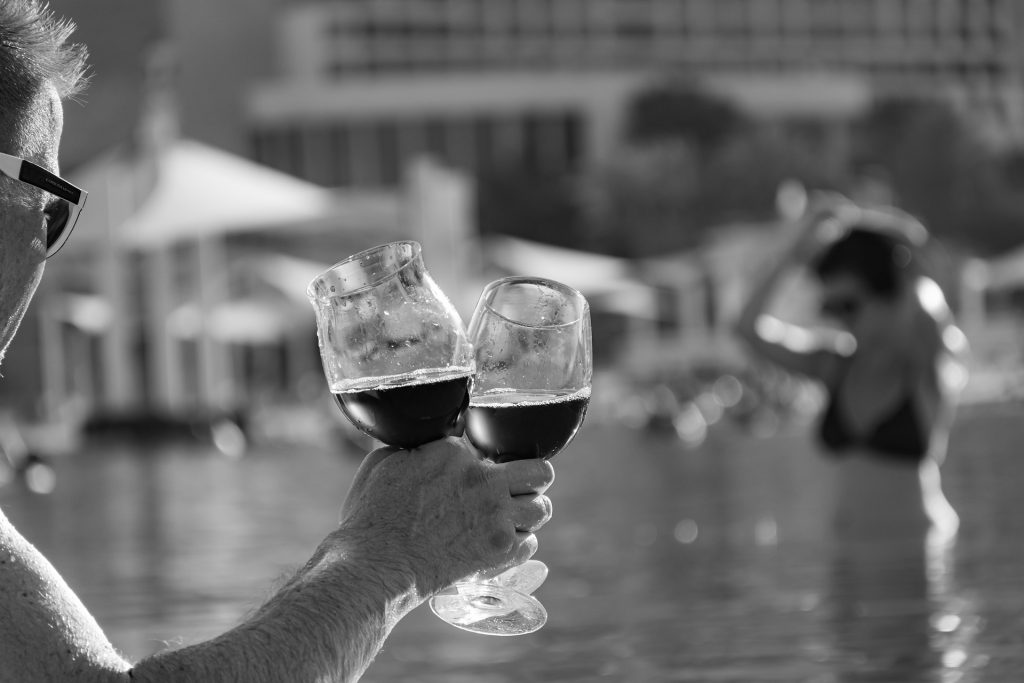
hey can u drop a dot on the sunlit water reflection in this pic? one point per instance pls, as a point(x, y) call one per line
point(666, 564)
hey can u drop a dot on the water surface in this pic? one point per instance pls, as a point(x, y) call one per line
point(667, 564)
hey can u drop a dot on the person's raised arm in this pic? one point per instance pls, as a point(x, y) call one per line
point(792, 347)
point(414, 522)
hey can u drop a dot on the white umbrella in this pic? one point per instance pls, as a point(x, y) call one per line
point(190, 190)
point(200, 189)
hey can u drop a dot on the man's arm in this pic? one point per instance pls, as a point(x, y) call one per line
point(46, 634)
point(414, 522)
point(327, 624)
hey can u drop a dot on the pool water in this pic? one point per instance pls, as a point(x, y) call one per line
point(667, 564)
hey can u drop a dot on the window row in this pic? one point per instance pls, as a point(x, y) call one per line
point(426, 56)
point(375, 153)
point(750, 16)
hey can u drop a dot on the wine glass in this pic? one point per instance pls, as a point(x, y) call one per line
point(393, 347)
point(532, 344)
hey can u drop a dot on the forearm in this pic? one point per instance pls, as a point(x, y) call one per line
point(326, 624)
point(761, 293)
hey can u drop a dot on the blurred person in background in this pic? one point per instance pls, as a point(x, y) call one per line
point(891, 363)
point(413, 522)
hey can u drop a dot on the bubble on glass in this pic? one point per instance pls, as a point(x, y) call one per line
point(366, 308)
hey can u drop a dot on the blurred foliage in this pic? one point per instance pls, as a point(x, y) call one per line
point(518, 201)
point(690, 161)
point(940, 171)
point(680, 112)
point(642, 202)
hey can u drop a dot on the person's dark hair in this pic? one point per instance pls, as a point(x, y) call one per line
point(882, 261)
point(33, 52)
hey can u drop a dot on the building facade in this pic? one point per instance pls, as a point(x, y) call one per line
point(365, 85)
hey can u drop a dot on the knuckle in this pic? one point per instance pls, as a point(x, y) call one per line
point(475, 476)
point(547, 509)
point(536, 513)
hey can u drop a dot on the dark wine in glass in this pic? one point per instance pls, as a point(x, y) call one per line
point(516, 425)
point(408, 415)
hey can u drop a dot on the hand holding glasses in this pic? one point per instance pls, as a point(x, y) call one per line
point(401, 368)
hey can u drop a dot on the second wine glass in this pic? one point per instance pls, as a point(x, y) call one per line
point(533, 354)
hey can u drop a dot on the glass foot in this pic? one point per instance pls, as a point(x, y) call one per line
point(524, 578)
point(488, 608)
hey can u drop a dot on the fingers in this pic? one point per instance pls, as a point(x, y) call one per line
point(530, 513)
point(528, 476)
point(526, 547)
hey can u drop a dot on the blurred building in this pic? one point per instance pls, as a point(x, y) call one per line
point(362, 86)
point(354, 94)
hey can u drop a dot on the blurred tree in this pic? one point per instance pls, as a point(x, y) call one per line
point(942, 173)
point(669, 111)
point(690, 161)
point(520, 202)
point(642, 202)
point(741, 181)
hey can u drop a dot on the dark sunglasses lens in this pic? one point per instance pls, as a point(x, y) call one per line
point(57, 221)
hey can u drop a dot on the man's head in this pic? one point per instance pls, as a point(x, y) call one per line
point(38, 68)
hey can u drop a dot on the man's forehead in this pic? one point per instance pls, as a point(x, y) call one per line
point(36, 138)
point(38, 134)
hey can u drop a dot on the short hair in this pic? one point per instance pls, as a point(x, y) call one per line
point(34, 52)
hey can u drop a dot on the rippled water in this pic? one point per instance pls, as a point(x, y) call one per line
point(667, 564)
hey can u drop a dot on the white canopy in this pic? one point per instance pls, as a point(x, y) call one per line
point(200, 188)
point(189, 189)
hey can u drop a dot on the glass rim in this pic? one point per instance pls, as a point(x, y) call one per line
point(417, 250)
point(560, 287)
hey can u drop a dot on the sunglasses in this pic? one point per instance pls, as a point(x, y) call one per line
point(842, 307)
point(61, 220)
